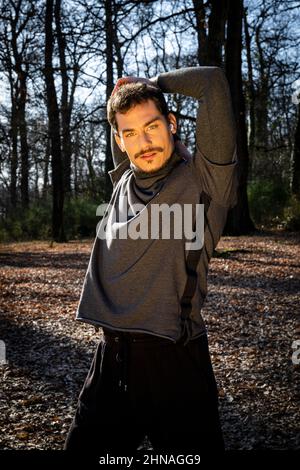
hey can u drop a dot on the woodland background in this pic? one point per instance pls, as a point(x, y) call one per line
point(59, 61)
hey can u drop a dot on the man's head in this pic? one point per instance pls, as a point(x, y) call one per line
point(142, 125)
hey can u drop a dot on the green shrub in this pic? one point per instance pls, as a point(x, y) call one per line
point(4, 235)
point(80, 220)
point(292, 214)
point(267, 202)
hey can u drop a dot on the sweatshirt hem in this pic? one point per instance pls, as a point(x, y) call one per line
point(137, 330)
point(133, 330)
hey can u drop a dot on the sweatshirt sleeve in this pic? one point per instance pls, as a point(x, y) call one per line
point(215, 158)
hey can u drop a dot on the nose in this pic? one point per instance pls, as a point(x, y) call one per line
point(144, 139)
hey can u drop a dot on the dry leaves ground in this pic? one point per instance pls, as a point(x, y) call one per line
point(251, 312)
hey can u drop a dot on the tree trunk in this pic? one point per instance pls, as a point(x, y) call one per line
point(251, 93)
point(7, 57)
point(261, 102)
point(76, 156)
point(14, 155)
point(216, 32)
point(117, 47)
point(20, 94)
point(23, 140)
point(295, 182)
point(238, 220)
point(92, 175)
point(109, 87)
point(65, 110)
point(46, 170)
point(54, 131)
point(201, 31)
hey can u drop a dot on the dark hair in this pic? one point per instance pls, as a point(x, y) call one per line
point(131, 94)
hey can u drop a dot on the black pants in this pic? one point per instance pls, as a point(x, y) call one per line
point(143, 385)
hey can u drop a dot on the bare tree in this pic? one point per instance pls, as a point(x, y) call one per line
point(295, 181)
point(16, 45)
point(238, 221)
point(54, 129)
point(250, 90)
point(109, 40)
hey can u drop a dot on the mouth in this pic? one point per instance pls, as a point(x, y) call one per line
point(147, 156)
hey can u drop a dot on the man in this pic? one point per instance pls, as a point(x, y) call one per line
point(151, 374)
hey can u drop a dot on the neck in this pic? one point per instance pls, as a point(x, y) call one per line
point(164, 169)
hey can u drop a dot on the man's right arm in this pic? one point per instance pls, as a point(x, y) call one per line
point(215, 158)
point(215, 124)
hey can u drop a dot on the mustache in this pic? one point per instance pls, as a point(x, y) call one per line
point(153, 149)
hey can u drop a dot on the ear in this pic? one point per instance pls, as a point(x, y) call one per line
point(119, 142)
point(172, 121)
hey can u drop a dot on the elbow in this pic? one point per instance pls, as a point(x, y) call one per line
point(220, 79)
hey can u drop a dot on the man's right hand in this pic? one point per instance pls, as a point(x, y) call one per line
point(125, 80)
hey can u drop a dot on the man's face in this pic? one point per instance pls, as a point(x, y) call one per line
point(145, 135)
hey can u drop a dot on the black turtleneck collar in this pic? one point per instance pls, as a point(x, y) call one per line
point(148, 184)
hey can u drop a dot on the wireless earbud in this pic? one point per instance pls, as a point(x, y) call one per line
point(171, 126)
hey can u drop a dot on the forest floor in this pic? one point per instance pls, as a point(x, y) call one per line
point(251, 312)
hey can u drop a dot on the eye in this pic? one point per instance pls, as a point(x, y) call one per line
point(153, 126)
point(130, 134)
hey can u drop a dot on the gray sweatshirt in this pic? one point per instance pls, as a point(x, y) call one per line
point(137, 284)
